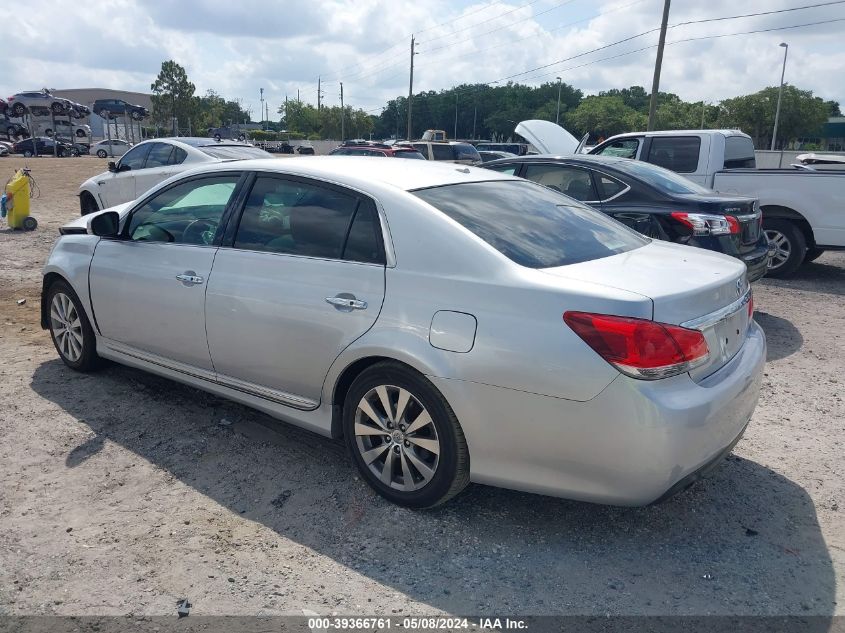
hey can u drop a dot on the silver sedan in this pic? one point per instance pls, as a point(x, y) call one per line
point(452, 324)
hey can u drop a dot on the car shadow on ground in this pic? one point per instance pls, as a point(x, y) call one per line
point(827, 275)
point(782, 337)
point(744, 541)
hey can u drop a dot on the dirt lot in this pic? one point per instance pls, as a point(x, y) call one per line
point(121, 492)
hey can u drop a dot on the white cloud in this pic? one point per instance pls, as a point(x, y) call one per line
point(282, 47)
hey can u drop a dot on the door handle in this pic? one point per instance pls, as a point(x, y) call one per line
point(188, 278)
point(347, 303)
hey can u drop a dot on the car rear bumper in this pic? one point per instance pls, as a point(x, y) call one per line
point(757, 262)
point(630, 445)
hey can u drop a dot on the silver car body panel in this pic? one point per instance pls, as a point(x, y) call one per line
point(541, 411)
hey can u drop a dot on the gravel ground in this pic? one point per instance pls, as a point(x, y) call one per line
point(121, 492)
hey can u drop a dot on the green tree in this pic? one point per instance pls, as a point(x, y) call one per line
point(801, 114)
point(172, 94)
point(603, 117)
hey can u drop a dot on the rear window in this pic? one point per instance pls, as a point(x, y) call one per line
point(465, 151)
point(530, 224)
point(233, 152)
point(659, 178)
point(678, 153)
point(739, 152)
point(409, 154)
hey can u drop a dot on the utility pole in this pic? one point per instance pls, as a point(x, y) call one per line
point(261, 92)
point(455, 134)
point(557, 116)
point(474, 116)
point(411, 90)
point(780, 94)
point(319, 93)
point(655, 84)
point(342, 116)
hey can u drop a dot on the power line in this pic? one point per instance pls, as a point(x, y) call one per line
point(466, 15)
point(472, 26)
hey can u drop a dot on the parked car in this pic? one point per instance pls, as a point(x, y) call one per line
point(81, 149)
point(4, 150)
point(654, 201)
point(118, 147)
point(44, 147)
point(79, 111)
point(452, 151)
point(488, 155)
point(151, 162)
point(802, 209)
point(520, 149)
point(377, 149)
point(114, 108)
point(280, 148)
point(227, 132)
point(305, 148)
point(63, 128)
point(37, 102)
point(433, 317)
point(14, 130)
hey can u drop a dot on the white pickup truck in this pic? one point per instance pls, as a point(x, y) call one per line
point(803, 209)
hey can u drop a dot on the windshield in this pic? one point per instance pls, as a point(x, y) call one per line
point(234, 152)
point(660, 178)
point(465, 151)
point(530, 224)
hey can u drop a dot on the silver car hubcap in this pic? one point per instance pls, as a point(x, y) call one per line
point(396, 438)
point(783, 249)
point(66, 327)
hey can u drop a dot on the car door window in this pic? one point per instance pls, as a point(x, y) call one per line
point(295, 218)
point(135, 157)
point(187, 213)
point(159, 155)
point(442, 152)
point(422, 148)
point(678, 153)
point(364, 241)
point(609, 187)
point(504, 169)
point(571, 181)
point(623, 148)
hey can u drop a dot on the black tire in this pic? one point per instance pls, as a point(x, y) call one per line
point(57, 108)
point(451, 471)
point(88, 358)
point(29, 223)
point(792, 246)
point(105, 114)
point(81, 133)
point(87, 203)
point(48, 132)
point(813, 254)
point(102, 153)
point(136, 116)
point(27, 153)
point(19, 109)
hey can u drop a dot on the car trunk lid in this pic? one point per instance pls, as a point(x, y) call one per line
point(547, 137)
point(688, 286)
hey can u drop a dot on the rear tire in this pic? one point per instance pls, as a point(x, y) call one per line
point(414, 455)
point(27, 153)
point(791, 246)
point(813, 254)
point(101, 153)
point(70, 329)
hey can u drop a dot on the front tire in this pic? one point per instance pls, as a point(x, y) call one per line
point(790, 244)
point(27, 153)
point(70, 329)
point(813, 254)
point(102, 153)
point(404, 437)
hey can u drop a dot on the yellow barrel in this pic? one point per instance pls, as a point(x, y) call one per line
point(17, 204)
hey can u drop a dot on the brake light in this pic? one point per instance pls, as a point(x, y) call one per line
point(638, 347)
point(750, 307)
point(707, 224)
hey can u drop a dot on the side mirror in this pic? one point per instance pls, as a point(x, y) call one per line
point(105, 224)
point(112, 166)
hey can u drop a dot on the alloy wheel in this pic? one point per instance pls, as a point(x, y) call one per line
point(396, 438)
point(66, 327)
point(783, 248)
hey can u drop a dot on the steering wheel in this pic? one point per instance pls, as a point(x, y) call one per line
point(200, 232)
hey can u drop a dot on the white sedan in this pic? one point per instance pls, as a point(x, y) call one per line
point(147, 164)
point(118, 147)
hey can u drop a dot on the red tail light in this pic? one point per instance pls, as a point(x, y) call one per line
point(707, 224)
point(638, 347)
point(750, 307)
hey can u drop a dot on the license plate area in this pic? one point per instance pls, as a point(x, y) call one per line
point(727, 336)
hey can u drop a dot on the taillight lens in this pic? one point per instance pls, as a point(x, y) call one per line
point(638, 347)
point(707, 224)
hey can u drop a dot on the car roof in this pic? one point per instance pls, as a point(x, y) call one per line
point(357, 171)
point(723, 132)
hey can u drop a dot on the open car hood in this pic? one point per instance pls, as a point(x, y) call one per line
point(547, 137)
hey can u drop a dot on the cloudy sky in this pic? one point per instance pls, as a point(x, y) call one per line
point(236, 48)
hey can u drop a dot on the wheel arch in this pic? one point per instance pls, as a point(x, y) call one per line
point(87, 194)
point(48, 280)
point(780, 212)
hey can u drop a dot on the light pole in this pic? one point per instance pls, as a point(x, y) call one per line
point(261, 92)
point(780, 94)
point(557, 117)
